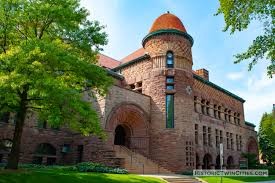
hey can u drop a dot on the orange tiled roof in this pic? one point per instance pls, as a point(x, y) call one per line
point(138, 53)
point(167, 21)
point(108, 62)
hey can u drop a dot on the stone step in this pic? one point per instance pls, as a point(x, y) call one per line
point(181, 180)
point(137, 163)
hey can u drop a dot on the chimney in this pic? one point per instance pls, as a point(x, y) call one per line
point(203, 73)
point(273, 110)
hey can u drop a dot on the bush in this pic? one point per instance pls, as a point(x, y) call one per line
point(271, 169)
point(96, 167)
point(81, 167)
point(190, 172)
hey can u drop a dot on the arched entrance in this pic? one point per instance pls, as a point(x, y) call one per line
point(207, 161)
point(252, 146)
point(198, 165)
point(45, 153)
point(218, 162)
point(230, 162)
point(122, 135)
point(128, 126)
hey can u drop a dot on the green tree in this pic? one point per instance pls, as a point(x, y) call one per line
point(267, 138)
point(238, 14)
point(48, 53)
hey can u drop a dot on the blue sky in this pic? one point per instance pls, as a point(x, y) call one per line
point(128, 21)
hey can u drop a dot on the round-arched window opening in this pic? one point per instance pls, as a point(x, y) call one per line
point(169, 60)
point(5, 145)
point(45, 153)
point(45, 149)
point(120, 136)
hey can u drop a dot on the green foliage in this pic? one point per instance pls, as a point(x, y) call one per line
point(270, 168)
point(96, 167)
point(267, 138)
point(251, 160)
point(48, 50)
point(238, 14)
point(190, 172)
point(80, 167)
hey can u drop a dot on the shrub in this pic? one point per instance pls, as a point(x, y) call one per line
point(189, 172)
point(96, 167)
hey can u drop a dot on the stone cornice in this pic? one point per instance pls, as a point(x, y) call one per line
point(168, 31)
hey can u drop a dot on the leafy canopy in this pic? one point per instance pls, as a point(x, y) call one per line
point(267, 137)
point(48, 49)
point(238, 14)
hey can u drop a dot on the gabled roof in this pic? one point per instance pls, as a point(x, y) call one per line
point(136, 54)
point(107, 62)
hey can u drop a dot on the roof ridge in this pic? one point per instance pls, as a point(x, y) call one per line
point(109, 57)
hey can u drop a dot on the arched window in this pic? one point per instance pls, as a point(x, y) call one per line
point(169, 60)
point(45, 151)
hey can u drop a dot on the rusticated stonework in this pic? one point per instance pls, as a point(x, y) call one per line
point(134, 113)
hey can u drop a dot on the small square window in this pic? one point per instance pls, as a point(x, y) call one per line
point(170, 87)
point(170, 79)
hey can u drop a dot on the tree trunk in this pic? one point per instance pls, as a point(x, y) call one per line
point(16, 142)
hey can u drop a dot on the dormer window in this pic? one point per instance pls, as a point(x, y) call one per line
point(169, 60)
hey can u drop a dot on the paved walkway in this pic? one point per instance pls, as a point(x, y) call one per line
point(175, 178)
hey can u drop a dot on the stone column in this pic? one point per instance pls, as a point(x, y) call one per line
point(198, 105)
point(211, 109)
point(222, 114)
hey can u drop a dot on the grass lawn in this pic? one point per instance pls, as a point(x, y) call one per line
point(237, 179)
point(59, 176)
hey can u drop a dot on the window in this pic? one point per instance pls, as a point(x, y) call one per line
point(217, 138)
point(169, 60)
point(237, 142)
point(221, 137)
point(227, 140)
point(169, 111)
point(241, 143)
point(207, 108)
point(209, 137)
point(196, 134)
point(170, 83)
point(215, 111)
point(4, 117)
point(231, 141)
point(79, 153)
point(42, 124)
point(203, 106)
point(204, 136)
point(219, 112)
point(225, 115)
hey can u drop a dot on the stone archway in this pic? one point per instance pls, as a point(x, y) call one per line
point(207, 161)
point(122, 135)
point(198, 164)
point(230, 162)
point(218, 162)
point(252, 146)
point(128, 125)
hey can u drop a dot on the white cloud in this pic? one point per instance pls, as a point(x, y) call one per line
point(235, 75)
point(259, 94)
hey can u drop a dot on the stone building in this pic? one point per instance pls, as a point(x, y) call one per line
point(160, 115)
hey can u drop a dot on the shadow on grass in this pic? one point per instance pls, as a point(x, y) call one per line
point(55, 176)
